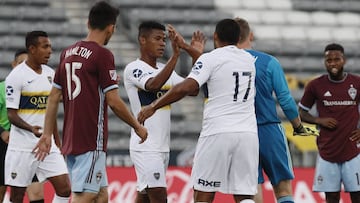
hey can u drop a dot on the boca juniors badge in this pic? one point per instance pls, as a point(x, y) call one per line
point(157, 175)
point(49, 79)
point(13, 175)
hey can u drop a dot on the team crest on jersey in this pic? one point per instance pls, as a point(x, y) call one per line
point(137, 73)
point(13, 175)
point(98, 177)
point(352, 92)
point(9, 90)
point(49, 79)
point(113, 74)
point(157, 175)
point(320, 179)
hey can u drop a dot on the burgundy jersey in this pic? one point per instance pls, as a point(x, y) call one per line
point(86, 72)
point(338, 100)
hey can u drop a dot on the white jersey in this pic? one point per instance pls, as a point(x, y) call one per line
point(136, 75)
point(228, 76)
point(27, 91)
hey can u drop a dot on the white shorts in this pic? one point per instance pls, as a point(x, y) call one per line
point(227, 163)
point(150, 168)
point(20, 167)
point(87, 171)
point(329, 175)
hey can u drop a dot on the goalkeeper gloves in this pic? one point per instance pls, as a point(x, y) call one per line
point(305, 131)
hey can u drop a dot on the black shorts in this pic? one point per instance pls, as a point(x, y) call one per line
point(3, 148)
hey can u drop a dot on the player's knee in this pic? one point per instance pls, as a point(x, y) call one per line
point(157, 194)
point(64, 192)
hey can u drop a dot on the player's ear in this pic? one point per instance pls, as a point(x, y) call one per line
point(110, 28)
point(32, 49)
point(216, 39)
point(251, 37)
point(142, 40)
point(13, 63)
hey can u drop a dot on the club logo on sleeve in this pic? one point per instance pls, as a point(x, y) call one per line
point(113, 74)
point(137, 73)
point(198, 65)
point(9, 90)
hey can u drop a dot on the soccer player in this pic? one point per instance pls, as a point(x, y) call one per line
point(27, 88)
point(275, 159)
point(336, 95)
point(145, 80)
point(35, 189)
point(20, 56)
point(227, 153)
point(86, 80)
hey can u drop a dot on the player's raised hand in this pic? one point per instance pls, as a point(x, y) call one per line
point(178, 38)
point(172, 37)
point(198, 41)
point(42, 148)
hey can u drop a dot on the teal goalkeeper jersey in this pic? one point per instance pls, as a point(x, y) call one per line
point(4, 121)
point(270, 81)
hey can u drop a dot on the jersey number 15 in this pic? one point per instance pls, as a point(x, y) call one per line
point(72, 77)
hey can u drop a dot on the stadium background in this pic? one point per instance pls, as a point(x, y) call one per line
point(295, 31)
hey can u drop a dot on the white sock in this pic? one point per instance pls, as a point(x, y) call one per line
point(247, 201)
point(58, 199)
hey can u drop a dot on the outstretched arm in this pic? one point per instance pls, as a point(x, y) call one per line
point(174, 94)
point(120, 109)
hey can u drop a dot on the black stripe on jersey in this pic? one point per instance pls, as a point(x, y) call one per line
point(205, 90)
point(147, 97)
point(33, 102)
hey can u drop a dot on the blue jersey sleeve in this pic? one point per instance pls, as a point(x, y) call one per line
point(283, 95)
point(270, 80)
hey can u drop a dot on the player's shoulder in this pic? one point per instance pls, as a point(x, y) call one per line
point(261, 55)
point(19, 71)
point(134, 64)
point(47, 68)
point(318, 80)
point(87, 46)
point(355, 76)
point(215, 54)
